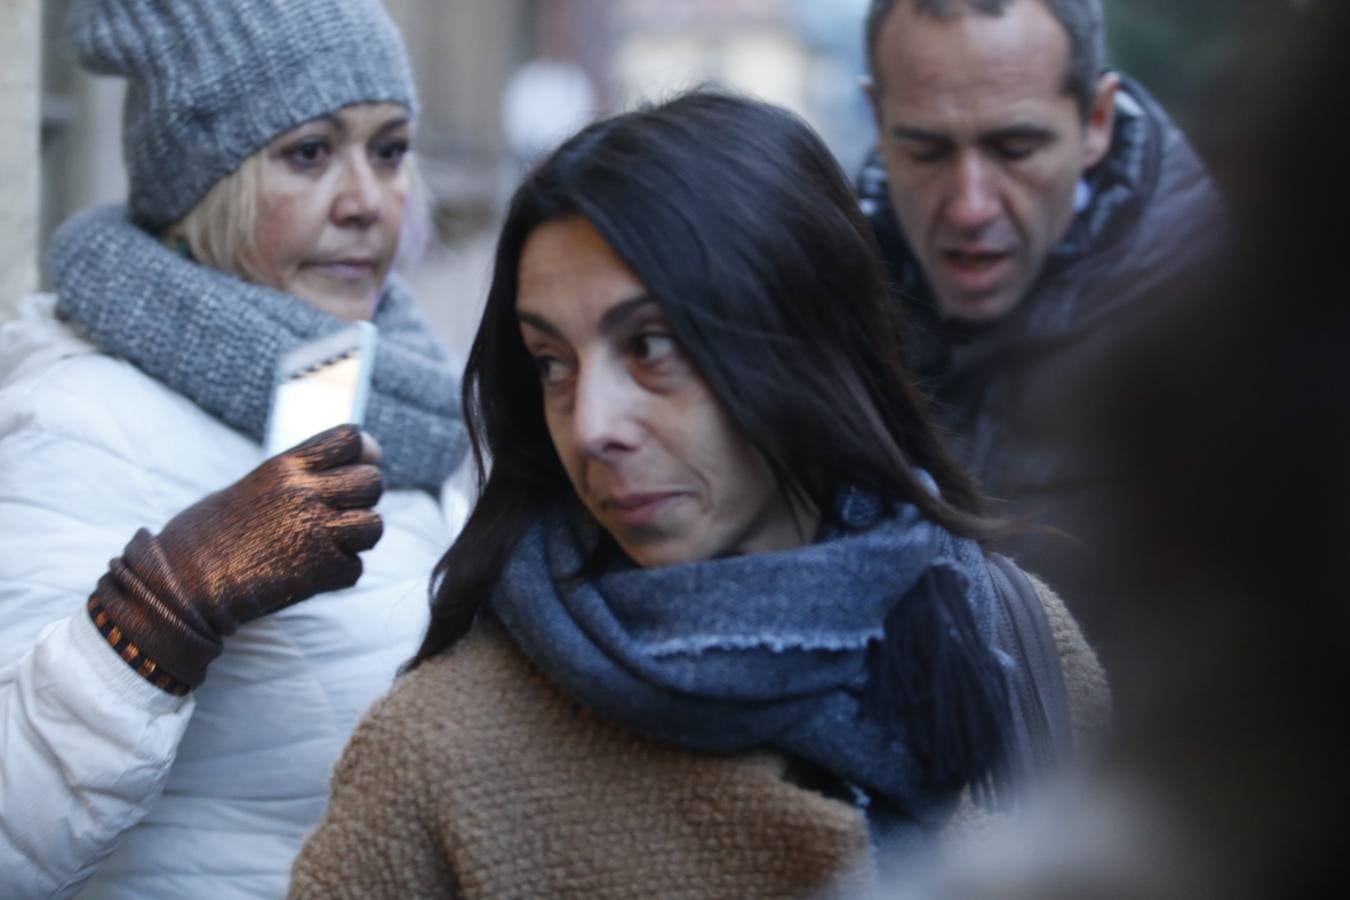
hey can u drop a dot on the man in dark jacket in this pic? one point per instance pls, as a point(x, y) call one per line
point(1032, 206)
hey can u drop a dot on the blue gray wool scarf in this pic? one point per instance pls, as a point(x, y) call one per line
point(761, 650)
point(216, 339)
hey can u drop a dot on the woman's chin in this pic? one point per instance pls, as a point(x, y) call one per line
point(653, 552)
point(342, 299)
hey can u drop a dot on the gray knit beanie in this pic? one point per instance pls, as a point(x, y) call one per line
point(212, 81)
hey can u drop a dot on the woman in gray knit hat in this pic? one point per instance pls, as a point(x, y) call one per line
point(267, 146)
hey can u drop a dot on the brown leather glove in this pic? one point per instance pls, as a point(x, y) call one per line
point(286, 531)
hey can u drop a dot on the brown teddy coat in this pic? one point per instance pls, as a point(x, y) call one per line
point(476, 777)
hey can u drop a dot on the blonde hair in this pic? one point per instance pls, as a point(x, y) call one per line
point(220, 230)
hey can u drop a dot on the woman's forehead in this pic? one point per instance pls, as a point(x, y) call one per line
point(570, 276)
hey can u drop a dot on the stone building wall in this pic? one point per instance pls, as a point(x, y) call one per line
point(20, 123)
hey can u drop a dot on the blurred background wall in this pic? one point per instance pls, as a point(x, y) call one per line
point(20, 199)
point(502, 81)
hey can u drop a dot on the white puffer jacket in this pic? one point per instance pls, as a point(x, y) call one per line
point(109, 786)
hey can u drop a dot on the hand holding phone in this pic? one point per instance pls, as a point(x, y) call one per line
point(321, 383)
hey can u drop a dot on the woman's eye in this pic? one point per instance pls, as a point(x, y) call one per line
point(391, 153)
point(650, 346)
point(551, 369)
point(308, 152)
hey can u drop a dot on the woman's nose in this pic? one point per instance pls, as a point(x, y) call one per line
point(360, 195)
point(605, 419)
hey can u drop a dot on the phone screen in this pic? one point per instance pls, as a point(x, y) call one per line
point(315, 399)
point(319, 384)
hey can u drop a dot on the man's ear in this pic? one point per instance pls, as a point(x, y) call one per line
point(1101, 120)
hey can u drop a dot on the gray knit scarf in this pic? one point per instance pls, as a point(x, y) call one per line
point(216, 339)
point(763, 650)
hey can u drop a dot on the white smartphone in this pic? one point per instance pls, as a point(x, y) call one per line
point(321, 383)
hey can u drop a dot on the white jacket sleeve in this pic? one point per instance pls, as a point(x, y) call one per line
point(85, 743)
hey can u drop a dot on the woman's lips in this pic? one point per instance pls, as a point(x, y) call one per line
point(637, 510)
point(346, 269)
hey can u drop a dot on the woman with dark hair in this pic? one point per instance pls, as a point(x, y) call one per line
point(721, 609)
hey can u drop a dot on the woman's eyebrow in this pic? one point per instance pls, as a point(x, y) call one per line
point(330, 119)
point(392, 125)
point(612, 320)
point(534, 320)
point(618, 315)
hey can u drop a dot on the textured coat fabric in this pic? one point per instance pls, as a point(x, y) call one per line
point(210, 83)
point(1153, 213)
point(106, 783)
point(477, 777)
point(218, 339)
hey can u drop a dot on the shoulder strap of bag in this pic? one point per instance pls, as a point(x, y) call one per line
point(1042, 729)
